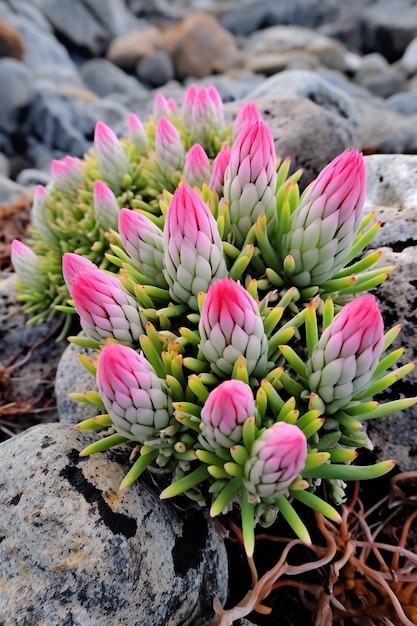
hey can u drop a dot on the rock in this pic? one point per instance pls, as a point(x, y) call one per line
point(31, 177)
point(45, 56)
point(17, 91)
point(307, 133)
point(378, 76)
point(156, 69)
point(104, 78)
point(11, 42)
point(409, 58)
point(291, 46)
point(4, 166)
point(10, 194)
point(235, 85)
point(403, 103)
point(88, 25)
point(392, 194)
point(199, 46)
point(72, 377)
point(388, 27)
point(127, 50)
point(93, 554)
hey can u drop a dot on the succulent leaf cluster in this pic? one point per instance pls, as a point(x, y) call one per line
point(232, 344)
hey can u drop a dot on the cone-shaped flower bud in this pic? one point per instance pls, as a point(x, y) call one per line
point(39, 217)
point(105, 308)
point(66, 174)
point(137, 401)
point(202, 113)
point(220, 163)
point(163, 107)
point(196, 166)
point(231, 326)
point(74, 264)
point(136, 133)
point(26, 265)
point(248, 114)
point(144, 243)
point(250, 178)
point(224, 412)
point(106, 207)
point(276, 459)
point(324, 225)
point(112, 159)
point(193, 255)
point(347, 353)
point(169, 148)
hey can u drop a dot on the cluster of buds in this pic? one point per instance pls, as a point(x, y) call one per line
point(210, 295)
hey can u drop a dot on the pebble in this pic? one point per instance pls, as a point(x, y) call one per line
point(126, 51)
point(93, 554)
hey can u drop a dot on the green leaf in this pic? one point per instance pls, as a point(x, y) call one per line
point(103, 444)
point(196, 477)
point(293, 519)
point(225, 496)
point(138, 468)
point(350, 472)
point(316, 503)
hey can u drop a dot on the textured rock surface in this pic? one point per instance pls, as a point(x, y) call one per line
point(74, 550)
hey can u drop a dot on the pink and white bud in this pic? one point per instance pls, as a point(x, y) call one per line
point(112, 160)
point(248, 114)
point(220, 164)
point(170, 151)
point(325, 223)
point(26, 265)
point(196, 167)
point(250, 178)
point(348, 351)
point(136, 133)
point(137, 401)
point(163, 107)
point(66, 174)
point(105, 308)
point(39, 218)
point(231, 326)
point(144, 243)
point(224, 412)
point(193, 255)
point(106, 207)
point(73, 265)
point(276, 459)
point(203, 113)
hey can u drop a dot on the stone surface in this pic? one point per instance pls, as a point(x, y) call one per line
point(75, 550)
point(392, 194)
point(127, 50)
point(11, 43)
point(156, 69)
point(17, 91)
point(105, 78)
point(199, 46)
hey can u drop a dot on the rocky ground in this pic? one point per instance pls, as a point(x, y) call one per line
point(326, 75)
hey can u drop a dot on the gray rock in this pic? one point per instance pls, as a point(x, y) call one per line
point(409, 58)
point(95, 555)
point(17, 91)
point(388, 27)
point(156, 69)
point(4, 166)
point(72, 377)
point(309, 85)
point(12, 193)
point(404, 103)
point(379, 77)
point(307, 133)
point(87, 24)
point(31, 176)
point(392, 194)
point(104, 78)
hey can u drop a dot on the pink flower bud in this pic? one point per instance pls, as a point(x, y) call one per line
point(276, 460)
point(105, 308)
point(324, 225)
point(224, 412)
point(250, 178)
point(196, 166)
point(220, 164)
point(193, 249)
point(106, 207)
point(26, 265)
point(231, 326)
point(248, 114)
point(163, 107)
point(169, 148)
point(144, 243)
point(347, 353)
point(112, 160)
point(136, 133)
point(74, 264)
point(40, 218)
point(66, 174)
point(137, 401)
point(202, 113)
